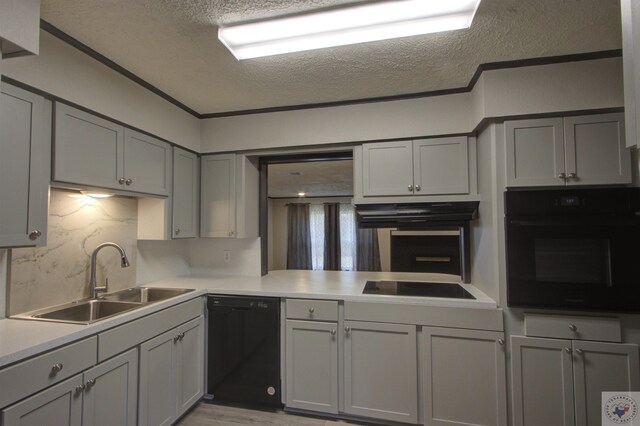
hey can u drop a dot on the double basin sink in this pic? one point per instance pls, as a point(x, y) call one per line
point(104, 306)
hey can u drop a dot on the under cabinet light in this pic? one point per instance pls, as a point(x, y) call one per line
point(96, 194)
point(348, 25)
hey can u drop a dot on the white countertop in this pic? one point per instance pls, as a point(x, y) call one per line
point(20, 339)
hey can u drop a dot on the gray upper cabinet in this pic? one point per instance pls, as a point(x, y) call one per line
point(464, 368)
point(437, 166)
point(91, 151)
point(583, 150)
point(381, 371)
point(25, 164)
point(218, 199)
point(630, 12)
point(186, 193)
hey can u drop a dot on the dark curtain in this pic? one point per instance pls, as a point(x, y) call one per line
point(332, 237)
point(367, 250)
point(298, 237)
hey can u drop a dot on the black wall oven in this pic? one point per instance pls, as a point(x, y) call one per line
point(574, 249)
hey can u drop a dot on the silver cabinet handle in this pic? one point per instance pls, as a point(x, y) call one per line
point(311, 310)
point(572, 176)
point(128, 182)
point(177, 231)
point(501, 342)
point(121, 181)
point(347, 329)
point(56, 369)
point(410, 188)
point(35, 234)
point(418, 187)
point(562, 176)
point(568, 350)
point(333, 332)
point(579, 351)
point(90, 383)
point(80, 388)
point(573, 328)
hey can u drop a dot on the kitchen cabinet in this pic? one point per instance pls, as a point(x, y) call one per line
point(186, 194)
point(435, 166)
point(312, 356)
point(94, 152)
point(630, 13)
point(171, 373)
point(464, 379)
point(559, 381)
point(380, 371)
point(229, 196)
point(569, 151)
point(25, 167)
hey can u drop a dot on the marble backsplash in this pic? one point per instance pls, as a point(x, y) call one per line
point(59, 272)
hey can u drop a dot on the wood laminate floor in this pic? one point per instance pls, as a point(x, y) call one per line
point(205, 414)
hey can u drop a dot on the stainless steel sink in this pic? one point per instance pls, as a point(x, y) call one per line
point(145, 294)
point(83, 312)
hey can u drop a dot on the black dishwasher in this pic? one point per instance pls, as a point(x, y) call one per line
point(244, 350)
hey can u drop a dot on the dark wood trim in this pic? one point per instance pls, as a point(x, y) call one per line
point(54, 31)
point(264, 217)
point(307, 158)
point(55, 98)
point(587, 56)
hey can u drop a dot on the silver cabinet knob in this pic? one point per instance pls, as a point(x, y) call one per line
point(33, 235)
point(410, 188)
point(121, 181)
point(579, 351)
point(181, 336)
point(176, 338)
point(311, 310)
point(562, 176)
point(231, 233)
point(501, 342)
point(418, 187)
point(90, 383)
point(572, 176)
point(347, 329)
point(128, 182)
point(56, 369)
point(80, 388)
point(177, 231)
point(333, 332)
point(568, 350)
point(573, 328)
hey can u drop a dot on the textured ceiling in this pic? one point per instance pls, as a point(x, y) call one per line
point(173, 45)
point(315, 179)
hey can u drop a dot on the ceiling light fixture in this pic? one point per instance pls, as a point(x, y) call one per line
point(348, 25)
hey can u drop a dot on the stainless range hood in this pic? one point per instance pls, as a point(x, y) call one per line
point(421, 215)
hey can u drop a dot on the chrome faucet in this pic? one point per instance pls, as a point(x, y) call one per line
point(124, 262)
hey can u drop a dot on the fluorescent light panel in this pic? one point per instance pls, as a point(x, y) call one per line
point(349, 25)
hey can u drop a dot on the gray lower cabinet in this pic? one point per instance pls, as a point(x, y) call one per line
point(380, 371)
point(312, 366)
point(25, 165)
point(560, 382)
point(464, 378)
point(186, 194)
point(171, 373)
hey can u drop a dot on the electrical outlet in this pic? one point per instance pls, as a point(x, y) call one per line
point(227, 256)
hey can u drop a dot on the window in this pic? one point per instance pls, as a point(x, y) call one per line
point(347, 237)
point(316, 222)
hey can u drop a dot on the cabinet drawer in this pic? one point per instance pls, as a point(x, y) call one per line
point(321, 310)
point(30, 376)
point(122, 338)
point(573, 327)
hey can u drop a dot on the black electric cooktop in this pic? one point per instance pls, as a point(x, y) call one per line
point(421, 289)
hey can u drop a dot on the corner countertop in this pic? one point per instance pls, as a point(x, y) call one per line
point(21, 339)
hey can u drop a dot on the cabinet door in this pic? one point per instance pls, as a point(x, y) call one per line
point(190, 365)
point(111, 392)
point(186, 193)
point(595, 150)
point(535, 152)
point(464, 377)
point(147, 164)
point(59, 405)
point(630, 12)
point(602, 367)
point(441, 166)
point(381, 371)
point(542, 382)
point(87, 150)
point(25, 167)
point(218, 201)
point(387, 168)
point(312, 366)
point(158, 377)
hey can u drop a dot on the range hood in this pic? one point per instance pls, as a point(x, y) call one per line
point(415, 215)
